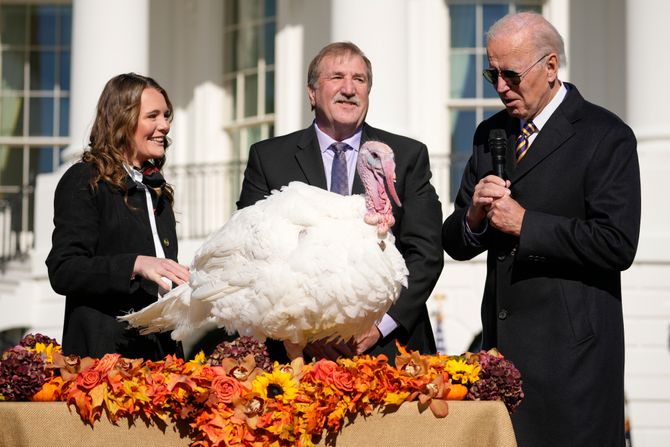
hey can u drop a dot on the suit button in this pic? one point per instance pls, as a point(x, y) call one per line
point(166, 242)
point(502, 314)
point(501, 257)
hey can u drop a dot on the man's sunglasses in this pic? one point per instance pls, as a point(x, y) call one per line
point(510, 76)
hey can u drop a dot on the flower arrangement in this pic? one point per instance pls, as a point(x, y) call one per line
point(230, 400)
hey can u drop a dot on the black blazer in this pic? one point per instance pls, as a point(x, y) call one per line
point(96, 240)
point(275, 162)
point(552, 298)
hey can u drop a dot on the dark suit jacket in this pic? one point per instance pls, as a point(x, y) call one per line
point(96, 240)
point(276, 162)
point(552, 299)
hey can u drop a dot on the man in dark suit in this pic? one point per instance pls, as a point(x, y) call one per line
point(558, 233)
point(339, 82)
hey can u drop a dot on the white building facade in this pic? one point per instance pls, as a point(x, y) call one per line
point(235, 71)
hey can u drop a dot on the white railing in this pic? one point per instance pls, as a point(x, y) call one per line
point(205, 194)
point(205, 198)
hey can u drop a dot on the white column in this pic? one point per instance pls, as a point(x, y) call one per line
point(647, 99)
point(108, 38)
point(291, 111)
point(379, 28)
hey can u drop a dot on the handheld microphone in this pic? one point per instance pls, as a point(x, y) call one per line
point(498, 147)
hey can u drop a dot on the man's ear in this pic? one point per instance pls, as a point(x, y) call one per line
point(552, 67)
point(311, 93)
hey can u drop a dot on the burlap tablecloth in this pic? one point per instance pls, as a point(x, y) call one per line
point(52, 424)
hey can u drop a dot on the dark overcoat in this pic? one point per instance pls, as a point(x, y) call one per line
point(96, 239)
point(552, 298)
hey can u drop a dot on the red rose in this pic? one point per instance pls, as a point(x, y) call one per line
point(88, 379)
point(226, 388)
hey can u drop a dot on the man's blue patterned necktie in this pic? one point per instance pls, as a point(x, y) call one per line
point(339, 179)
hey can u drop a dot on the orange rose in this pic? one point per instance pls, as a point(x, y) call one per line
point(343, 380)
point(88, 379)
point(323, 370)
point(226, 388)
point(107, 363)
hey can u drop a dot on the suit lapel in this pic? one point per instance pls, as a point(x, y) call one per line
point(552, 136)
point(308, 157)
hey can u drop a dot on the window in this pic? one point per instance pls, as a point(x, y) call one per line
point(34, 105)
point(471, 98)
point(249, 36)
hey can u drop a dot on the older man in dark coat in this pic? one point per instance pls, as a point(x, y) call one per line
point(558, 233)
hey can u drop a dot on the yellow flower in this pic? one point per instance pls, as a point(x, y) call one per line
point(47, 351)
point(462, 372)
point(275, 385)
point(196, 364)
point(393, 398)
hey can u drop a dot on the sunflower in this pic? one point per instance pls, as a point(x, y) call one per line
point(277, 384)
point(462, 372)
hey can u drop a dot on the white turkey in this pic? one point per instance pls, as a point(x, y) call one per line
point(301, 265)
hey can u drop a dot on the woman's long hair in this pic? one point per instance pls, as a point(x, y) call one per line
point(112, 135)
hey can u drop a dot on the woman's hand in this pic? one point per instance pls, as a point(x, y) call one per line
point(161, 271)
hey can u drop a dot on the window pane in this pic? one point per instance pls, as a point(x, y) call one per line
point(64, 119)
point(270, 92)
point(253, 135)
point(462, 70)
point(533, 8)
point(41, 117)
point(11, 116)
point(491, 14)
point(269, 41)
point(250, 9)
point(463, 123)
point(13, 25)
point(231, 88)
point(11, 166)
point(251, 95)
point(43, 25)
point(462, 19)
point(231, 12)
point(270, 8)
point(12, 69)
point(41, 161)
point(64, 70)
point(247, 48)
point(42, 70)
point(236, 137)
point(65, 26)
point(230, 55)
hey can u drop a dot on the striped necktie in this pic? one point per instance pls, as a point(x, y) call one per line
point(339, 178)
point(523, 142)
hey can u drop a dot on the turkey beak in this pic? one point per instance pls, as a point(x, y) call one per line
point(388, 166)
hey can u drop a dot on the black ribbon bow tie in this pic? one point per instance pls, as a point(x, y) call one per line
point(151, 175)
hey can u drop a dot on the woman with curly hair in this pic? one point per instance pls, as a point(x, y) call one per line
point(114, 242)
